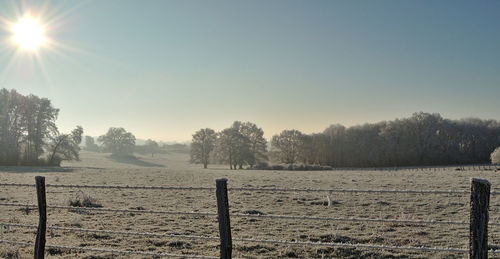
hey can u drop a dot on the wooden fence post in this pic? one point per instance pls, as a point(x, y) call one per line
point(226, 245)
point(479, 216)
point(42, 216)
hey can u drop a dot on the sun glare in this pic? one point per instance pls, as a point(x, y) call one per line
point(28, 34)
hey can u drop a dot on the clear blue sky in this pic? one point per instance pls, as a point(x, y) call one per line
point(163, 69)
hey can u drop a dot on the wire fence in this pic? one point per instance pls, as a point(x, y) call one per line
point(111, 232)
point(112, 251)
point(280, 242)
point(210, 214)
point(249, 215)
point(72, 208)
point(310, 190)
point(332, 190)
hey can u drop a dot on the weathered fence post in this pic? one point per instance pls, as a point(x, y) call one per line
point(226, 245)
point(42, 215)
point(479, 216)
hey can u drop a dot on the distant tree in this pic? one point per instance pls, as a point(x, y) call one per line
point(495, 156)
point(176, 148)
point(65, 147)
point(202, 144)
point(306, 151)
point(233, 147)
point(288, 145)
point(152, 147)
point(118, 142)
point(90, 144)
point(257, 142)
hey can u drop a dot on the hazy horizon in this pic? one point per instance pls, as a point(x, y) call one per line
point(164, 69)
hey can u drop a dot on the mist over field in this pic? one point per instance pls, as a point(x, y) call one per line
point(249, 129)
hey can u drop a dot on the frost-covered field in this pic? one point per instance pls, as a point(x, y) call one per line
point(173, 170)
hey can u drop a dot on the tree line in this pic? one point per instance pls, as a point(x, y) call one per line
point(241, 144)
point(28, 132)
point(422, 139)
point(120, 142)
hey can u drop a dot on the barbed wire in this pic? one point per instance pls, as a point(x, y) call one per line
point(293, 217)
point(245, 189)
point(352, 219)
point(17, 184)
point(112, 232)
point(113, 210)
point(114, 251)
point(367, 246)
point(188, 188)
point(30, 206)
point(497, 251)
point(348, 190)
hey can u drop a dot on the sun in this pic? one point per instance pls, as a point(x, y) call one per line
point(28, 34)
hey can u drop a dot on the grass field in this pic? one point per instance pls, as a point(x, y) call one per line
point(174, 170)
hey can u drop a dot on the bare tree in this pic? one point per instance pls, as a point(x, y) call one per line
point(65, 147)
point(202, 144)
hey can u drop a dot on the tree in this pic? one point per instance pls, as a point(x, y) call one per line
point(39, 122)
point(90, 144)
point(257, 142)
point(233, 147)
point(202, 144)
point(65, 147)
point(152, 147)
point(118, 142)
point(288, 145)
point(495, 156)
point(26, 124)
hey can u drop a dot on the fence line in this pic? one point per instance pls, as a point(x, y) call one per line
point(227, 225)
point(113, 210)
point(114, 251)
point(244, 189)
point(114, 187)
point(112, 232)
point(299, 243)
point(352, 219)
point(349, 190)
point(368, 246)
point(292, 217)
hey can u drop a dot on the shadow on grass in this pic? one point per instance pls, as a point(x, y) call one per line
point(35, 169)
point(133, 161)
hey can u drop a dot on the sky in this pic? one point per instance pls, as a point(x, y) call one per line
point(164, 69)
